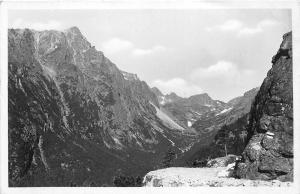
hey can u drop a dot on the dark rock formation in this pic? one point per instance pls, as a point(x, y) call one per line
point(269, 152)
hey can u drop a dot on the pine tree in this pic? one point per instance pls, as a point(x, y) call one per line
point(169, 158)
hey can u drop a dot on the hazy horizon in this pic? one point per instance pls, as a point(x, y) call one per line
point(220, 52)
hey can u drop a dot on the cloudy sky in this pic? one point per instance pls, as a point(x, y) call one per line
point(221, 52)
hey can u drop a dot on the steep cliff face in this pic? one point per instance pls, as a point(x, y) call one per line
point(269, 152)
point(74, 117)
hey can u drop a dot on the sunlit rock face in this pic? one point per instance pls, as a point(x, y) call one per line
point(74, 117)
point(269, 153)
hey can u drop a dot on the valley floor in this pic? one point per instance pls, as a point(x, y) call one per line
point(194, 177)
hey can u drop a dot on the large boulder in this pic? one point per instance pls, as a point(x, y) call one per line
point(269, 152)
point(222, 161)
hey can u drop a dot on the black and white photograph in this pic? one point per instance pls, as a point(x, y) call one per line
point(148, 97)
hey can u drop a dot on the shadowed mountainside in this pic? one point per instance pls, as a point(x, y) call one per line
point(75, 118)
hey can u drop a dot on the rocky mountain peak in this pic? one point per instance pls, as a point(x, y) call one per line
point(203, 99)
point(156, 91)
point(285, 49)
point(75, 34)
point(74, 29)
point(173, 95)
point(251, 92)
point(201, 96)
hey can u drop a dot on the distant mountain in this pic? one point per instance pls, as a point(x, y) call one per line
point(201, 112)
point(75, 118)
point(214, 128)
point(203, 99)
point(185, 111)
point(164, 99)
point(211, 120)
point(229, 114)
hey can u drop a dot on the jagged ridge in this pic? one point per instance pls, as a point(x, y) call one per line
point(74, 118)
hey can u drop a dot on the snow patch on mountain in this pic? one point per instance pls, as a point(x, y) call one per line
point(173, 144)
point(198, 113)
point(166, 119)
point(163, 100)
point(224, 111)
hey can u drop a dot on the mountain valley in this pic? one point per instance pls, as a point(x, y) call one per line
point(76, 119)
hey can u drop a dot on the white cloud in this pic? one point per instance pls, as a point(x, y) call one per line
point(249, 31)
point(178, 85)
point(241, 28)
point(268, 23)
point(230, 25)
point(142, 52)
point(220, 69)
point(223, 70)
point(49, 25)
point(258, 28)
point(115, 45)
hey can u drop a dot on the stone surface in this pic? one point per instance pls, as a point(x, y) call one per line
point(269, 153)
point(222, 161)
point(201, 177)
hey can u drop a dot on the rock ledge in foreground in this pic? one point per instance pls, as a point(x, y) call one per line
point(194, 177)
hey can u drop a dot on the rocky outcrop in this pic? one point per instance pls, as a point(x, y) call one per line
point(269, 152)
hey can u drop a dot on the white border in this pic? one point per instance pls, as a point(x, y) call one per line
point(294, 5)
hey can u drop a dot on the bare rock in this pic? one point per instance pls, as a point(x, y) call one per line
point(201, 177)
point(222, 161)
point(269, 152)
